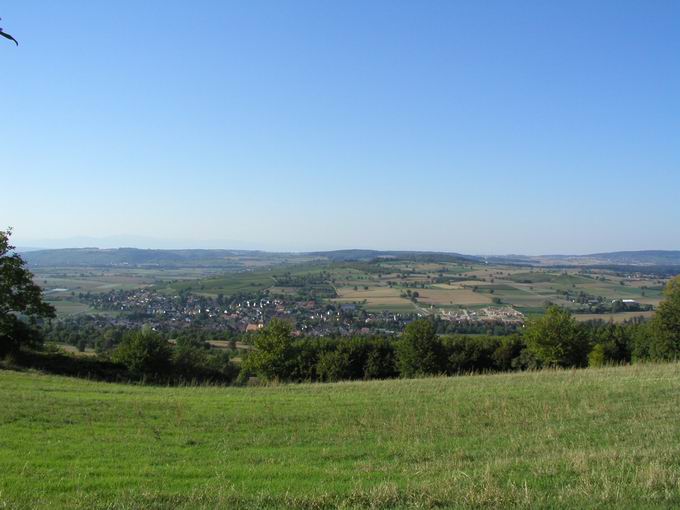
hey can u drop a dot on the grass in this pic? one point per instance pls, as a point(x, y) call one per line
point(554, 439)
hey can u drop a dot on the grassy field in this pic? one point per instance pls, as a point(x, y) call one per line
point(556, 439)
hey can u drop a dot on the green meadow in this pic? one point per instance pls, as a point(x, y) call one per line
point(552, 439)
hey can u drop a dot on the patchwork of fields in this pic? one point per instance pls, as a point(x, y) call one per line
point(552, 439)
point(393, 285)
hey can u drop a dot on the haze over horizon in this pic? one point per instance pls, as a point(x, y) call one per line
point(301, 126)
point(148, 243)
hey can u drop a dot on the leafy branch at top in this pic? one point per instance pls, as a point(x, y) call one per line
point(7, 36)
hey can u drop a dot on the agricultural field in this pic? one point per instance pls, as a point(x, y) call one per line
point(593, 438)
point(399, 286)
point(444, 286)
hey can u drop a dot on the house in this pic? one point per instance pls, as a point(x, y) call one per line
point(254, 328)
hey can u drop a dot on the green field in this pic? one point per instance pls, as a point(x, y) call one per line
point(554, 439)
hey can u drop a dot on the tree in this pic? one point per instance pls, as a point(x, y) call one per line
point(557, 340)
point(19, 297)
point(664, 330)
point(419, 351)
point(613, 344)
point(145, 353)
point(274, 354)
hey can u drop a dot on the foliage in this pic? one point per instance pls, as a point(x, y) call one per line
point(508, 354)
point(419, 351)
point(272, 358)
point(613, 344)
point(665, 328)
point(145, 353)
point(597, 356)
point(194, 360)
point(557, 340)
point(60, 363)
point(19, 296)
point(470, 354)
point(8, 36)
point(357, 358)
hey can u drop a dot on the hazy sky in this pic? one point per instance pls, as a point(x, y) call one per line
point(477, 127)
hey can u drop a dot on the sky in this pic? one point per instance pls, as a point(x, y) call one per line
point(464, 126)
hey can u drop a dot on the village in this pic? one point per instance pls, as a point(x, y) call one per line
point(242, 314)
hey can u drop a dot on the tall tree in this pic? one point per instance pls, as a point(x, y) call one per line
point(419, 351)
point(556, 339)
point(664, 331)
point(20, 298)
point(274, 353)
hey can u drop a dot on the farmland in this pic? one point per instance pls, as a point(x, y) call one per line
point(551, 439)
point(376, 286)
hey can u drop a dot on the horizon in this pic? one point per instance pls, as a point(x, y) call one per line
point(298, 126)
point(167, 245)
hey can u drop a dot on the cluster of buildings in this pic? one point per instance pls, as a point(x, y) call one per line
point(239, 314)
point(505, 315)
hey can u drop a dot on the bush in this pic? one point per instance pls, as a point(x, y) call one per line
point(145, 354)
point(381, 362)
point(357, 358)
point(419, 351)
point(15, 333)
point(597, 356)
point(664, 331)
point(73, 366)
point(508, 353)
point(613, 343)
point(470, 354)
point(274, 355)
point(557, 340)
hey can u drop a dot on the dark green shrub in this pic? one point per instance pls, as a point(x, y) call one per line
point(508, 353)
point(419, 351)
point(145, 354)
point(273, 358)
point(557, 340)
point(470, 354)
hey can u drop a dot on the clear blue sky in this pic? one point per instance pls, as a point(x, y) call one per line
point(477, 127)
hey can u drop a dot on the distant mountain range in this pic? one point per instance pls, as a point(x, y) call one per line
point(235, 259)
point(135, 257)
point(625, 258)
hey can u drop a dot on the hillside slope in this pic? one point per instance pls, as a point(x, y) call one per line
point(564, 439)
